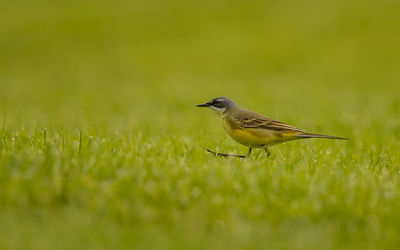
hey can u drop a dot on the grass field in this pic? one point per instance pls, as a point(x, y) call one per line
point(101, 146)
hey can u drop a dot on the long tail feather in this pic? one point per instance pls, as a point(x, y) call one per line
point(310, 135)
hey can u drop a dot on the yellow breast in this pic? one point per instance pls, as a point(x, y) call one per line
point(254, 137)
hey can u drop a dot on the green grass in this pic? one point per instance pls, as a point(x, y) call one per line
point(101, 146)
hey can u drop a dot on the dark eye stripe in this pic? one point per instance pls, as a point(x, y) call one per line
point(217, 103)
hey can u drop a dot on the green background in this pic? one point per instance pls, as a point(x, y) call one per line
point(102, 146)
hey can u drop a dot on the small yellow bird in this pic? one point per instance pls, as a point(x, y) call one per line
point(254, 130)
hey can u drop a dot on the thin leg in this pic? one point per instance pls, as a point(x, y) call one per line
point(248, 153)
point(267, 151)
point(225, 155)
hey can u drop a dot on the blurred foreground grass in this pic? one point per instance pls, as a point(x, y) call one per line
point(127, 76)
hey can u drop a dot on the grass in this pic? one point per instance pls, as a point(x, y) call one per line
point(101, 146)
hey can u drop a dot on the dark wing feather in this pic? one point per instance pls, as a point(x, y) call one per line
point(260, 121)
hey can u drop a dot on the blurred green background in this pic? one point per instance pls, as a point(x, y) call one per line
point(128, 75)
point(100, 63)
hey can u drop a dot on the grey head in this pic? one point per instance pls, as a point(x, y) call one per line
point(219, 105)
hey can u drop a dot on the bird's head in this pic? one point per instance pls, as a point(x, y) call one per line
point(219, 105)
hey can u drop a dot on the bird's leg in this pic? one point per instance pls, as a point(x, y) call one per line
point(225, 155)
point(267, 151)
point(248, 153)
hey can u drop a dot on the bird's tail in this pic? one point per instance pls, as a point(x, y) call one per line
point(310, 135)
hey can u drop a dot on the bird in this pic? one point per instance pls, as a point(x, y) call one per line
point(255, 130)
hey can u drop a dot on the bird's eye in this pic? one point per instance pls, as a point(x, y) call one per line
point(218, 104)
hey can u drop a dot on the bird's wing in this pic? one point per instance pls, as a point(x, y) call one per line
point(259, 121)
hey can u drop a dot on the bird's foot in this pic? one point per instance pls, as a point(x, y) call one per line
point(267, 151)
point(225, 155)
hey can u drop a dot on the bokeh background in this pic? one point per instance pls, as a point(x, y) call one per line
point(101, 63)
point(128, 74)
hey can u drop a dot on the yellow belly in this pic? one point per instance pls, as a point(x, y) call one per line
point(256, 137)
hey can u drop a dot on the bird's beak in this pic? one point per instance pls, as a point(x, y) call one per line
point(203, 105)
